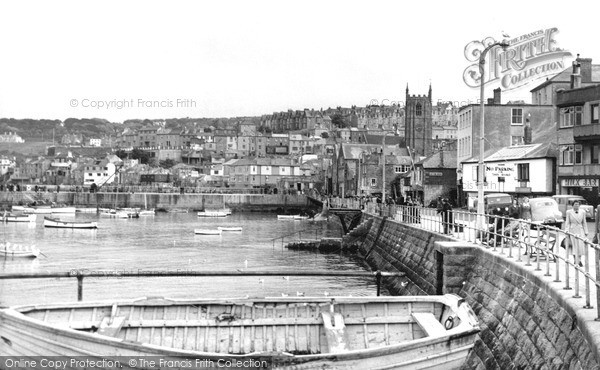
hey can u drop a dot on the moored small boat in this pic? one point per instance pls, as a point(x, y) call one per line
point(18, 218)
point(8, 249)
point(433, 332)
point(56, 223)
point(147, 212)
point(229, 228)
point(287, 217)
point(212, 214)
point(113, 213)
point(207, 232)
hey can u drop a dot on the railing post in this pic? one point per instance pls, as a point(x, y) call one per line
point(556, 253)
point(502, 235)
point(520, 234)
point(597, 256)
point(538, 243)
point(567, 246)
point(587, 280)
point(378, 280)
point(511, 241)
point(576, 267)
point(79, 287)
point(548, 252)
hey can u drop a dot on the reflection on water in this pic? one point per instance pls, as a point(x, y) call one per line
point(167, 242)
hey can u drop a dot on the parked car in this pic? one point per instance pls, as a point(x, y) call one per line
point(545, 210)
point(495, 204)
point(565, 203)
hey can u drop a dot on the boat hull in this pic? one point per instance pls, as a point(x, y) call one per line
point(51, 223)
point(212, 214)
point(229, 228)
point(202, 330)
point(207, 232)
point(24, 218)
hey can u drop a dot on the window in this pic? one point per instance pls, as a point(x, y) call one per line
point(523, 172)
point(516, 116)
point(571, 154)
point(516, 140)
point(578, 154)
point(566, 155)
point(595, 154)
point(570, 116)
point(476, 173)
point(594, 113)
point(401, 169)
point(373, 182)
point(419, 109)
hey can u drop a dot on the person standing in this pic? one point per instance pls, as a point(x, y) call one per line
point(525, 212)
point(575, 224)
point(447, 216)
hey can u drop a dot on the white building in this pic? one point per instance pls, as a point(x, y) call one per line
point(5, 164)
point(516, 170)
point(95, 142)
point(99, 172)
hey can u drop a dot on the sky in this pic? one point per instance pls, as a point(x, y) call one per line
point(170, 59)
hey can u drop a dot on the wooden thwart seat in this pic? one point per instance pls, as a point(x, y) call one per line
point(335, 332)
point(111, 325)
point(429, 323)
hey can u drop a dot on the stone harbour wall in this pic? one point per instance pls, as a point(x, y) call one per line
point(524, 323)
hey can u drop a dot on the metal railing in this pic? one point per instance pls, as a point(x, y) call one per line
point(296, 236)
point(81, 274)
point(537, 245)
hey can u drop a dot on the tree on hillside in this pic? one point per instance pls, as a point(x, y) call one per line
point(121, 154)
point(167, 163)
point(142, 156)
point(325, 135)
point(339, 121)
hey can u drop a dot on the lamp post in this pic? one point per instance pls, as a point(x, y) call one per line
point(481, 169)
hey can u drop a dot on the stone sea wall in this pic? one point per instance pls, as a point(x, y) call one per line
point(524, 324)
point(161, 200)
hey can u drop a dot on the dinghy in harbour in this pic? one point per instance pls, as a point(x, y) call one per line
point(433, 332)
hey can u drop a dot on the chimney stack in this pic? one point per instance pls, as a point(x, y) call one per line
point(586, 69)
point(576, 75)
point(527, 132)
point(497, 96)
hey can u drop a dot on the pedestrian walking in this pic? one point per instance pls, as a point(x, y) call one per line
point(576, 224)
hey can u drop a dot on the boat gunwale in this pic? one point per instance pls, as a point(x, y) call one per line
point(461, 331)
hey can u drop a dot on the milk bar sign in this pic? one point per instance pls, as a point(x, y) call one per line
point(580, 183)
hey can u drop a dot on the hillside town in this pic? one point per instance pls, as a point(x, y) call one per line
point(421, 150)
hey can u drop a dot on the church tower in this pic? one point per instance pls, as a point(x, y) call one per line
point(418, 123)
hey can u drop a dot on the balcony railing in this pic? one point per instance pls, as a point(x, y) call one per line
point(586, 132)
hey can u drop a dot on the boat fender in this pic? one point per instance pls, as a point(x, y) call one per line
point(449, 323)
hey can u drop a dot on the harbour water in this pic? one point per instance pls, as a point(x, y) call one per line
point(166, 242)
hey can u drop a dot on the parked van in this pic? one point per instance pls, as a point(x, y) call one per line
point(495, 203)
point(565, 203)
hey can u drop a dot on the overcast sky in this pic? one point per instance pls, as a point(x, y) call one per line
point(243, 58)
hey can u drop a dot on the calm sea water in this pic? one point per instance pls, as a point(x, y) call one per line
point(166, 242)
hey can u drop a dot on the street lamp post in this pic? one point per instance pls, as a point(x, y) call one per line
point(481, 169)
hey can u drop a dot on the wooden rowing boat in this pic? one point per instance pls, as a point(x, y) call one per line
point(212, 214)
point(207, 232)
point(18, 218)
point(433, 332)
point(229, 228)
point(292, 217)
point(56, 223)
point(8, 249)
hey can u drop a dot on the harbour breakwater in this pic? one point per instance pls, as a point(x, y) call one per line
point(525, 323)
point(167, 201)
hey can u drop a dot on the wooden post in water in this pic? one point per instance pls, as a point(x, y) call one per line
point(79, 287)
